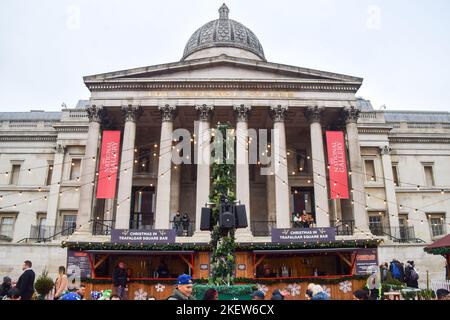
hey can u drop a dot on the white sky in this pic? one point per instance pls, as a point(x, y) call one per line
point(400, 47)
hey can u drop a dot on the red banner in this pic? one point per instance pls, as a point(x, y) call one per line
point(337, 160)
point(109, 159)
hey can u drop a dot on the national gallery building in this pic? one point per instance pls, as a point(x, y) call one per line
point(392, 202)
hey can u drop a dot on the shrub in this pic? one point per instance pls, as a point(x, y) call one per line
point(44, 284)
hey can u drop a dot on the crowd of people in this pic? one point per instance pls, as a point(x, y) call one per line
point(406, 274)
point(23, 289)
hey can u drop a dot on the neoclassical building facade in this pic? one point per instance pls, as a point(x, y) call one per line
point(397, 160)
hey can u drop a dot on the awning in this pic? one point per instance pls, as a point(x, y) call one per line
point(441, 243)
point(140, 252)
point(299, 251)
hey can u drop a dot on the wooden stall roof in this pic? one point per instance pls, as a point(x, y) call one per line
point(141, 252)
point(293, 251)
point(441, 243)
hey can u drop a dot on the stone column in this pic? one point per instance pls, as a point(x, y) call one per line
point(242, 167)
point(360, 216)
point(314, 115)
point(131, 115)
point(203, 137)
point(88, 169)
point(389, 186)
point(279, 164)
point(163, 192)
point(53, 197)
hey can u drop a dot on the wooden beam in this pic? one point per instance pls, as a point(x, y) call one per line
point(187, 261)
point(259, 261)
point(343, 258)
point(98, 263)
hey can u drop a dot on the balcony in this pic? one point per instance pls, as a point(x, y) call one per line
point(262, 228)
point(343, 227)
point(102, 227)
point(43, 233)
point(402, 234)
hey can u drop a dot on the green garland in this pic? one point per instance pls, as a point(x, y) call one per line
point(235, 290)
point(223, 185)
point(248, 281)
point(438, 251)
point(81, 246)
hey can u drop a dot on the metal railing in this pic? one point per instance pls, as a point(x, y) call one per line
point(343, 227)
point(262, 228)
point(141, 221)
point(183, 228)
point(48, 233)
point(102, 227)
point(402, 234)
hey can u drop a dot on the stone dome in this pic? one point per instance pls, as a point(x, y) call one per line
point(226, 33)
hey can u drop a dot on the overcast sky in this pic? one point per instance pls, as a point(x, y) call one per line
point(400, 47)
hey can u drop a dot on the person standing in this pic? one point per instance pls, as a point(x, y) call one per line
point(211, 294)
point(297, 219)
point(120, 280)
point(183, 290)
point(177, 223)
point(61, 283)
point(411, 275)
point(25, 284)
point(185, 220)
point(384, 271)
point(5, 287)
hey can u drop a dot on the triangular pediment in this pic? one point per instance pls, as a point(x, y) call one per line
point(222, 68)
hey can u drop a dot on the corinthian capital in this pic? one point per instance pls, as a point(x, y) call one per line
point(314, 114)
point(351, 114)
point(204, 111)
point(278, 113)
point(95, 114)
point(242, 111)
point(385, 150)
point(168, 112)
point(131, 113)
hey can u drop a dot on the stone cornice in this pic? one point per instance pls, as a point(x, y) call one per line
point(419, 140)
point(28, 138)
point(375, 130)
point(222, 85)
point(63, 128)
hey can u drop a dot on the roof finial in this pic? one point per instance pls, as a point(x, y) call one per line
point(223, 11)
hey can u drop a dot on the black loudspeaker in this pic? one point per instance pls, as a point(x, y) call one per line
point(226, 220)
point(241, 217)
point(205, 221)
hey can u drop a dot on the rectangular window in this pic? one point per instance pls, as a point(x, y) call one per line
point(144, 160)
point(15, 172)
point(75, 169)
point(49, 175)
point(7, 226)
point(42, 227)
point(395, 175)
point(302, 161)
point(376, 224)
point(370, 170)
point(437, 224)
point(429, 177)
point(69, 224)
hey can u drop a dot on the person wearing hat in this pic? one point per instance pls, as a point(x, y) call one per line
point(258, 295)
point(183, 291)
point(442, 294)
point(5, 286)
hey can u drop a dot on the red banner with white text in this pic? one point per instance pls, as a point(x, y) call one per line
point(109, 159)
point(337, 160)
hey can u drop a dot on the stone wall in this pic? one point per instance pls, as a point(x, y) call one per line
point(49, 256)
point(435, 265)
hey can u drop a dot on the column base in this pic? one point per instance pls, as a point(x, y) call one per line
point(244, 235)
point(201, 236)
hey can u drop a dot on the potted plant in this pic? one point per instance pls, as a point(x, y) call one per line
point(43, 285)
